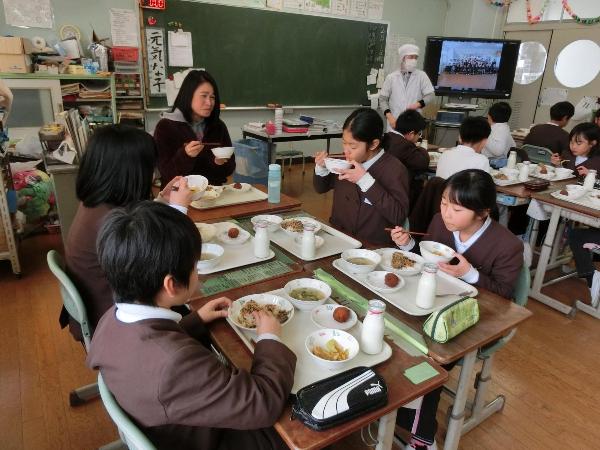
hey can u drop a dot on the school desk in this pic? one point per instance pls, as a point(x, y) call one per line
point(497, 317)
point(560, 209)
point(271, 140)
point(297, 436)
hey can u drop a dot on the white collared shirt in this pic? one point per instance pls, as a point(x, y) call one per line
point(499, 141)
point(472, 276)
point(133, 312)
point(365, 182)
point(460, 158)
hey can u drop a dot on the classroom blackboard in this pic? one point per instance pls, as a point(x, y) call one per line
point(260, 56)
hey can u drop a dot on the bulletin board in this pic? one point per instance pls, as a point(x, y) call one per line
point(259, 56)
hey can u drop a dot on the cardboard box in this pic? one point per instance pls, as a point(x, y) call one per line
point(11, 45)
point(15, 63)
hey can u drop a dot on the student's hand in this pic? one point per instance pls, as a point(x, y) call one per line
point(214, 309)
point(166, 192)
point(182, 196)
point(220, 161)
point(193, 148)
point(320, 158)
point(400, 236)
point(582, 171)
point(415, 105)
point(354, 174)
point(391, 120)
point(266, 323)
point(555, 159)
point(457, 270)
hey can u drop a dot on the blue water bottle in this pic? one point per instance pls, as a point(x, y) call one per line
point(274, 183)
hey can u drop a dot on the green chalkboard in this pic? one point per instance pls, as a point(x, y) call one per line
point(260, 56)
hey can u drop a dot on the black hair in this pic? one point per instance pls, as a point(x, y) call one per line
point(473, 189)
point(590, 132)
point(562, 109)
point(410, 120)
point(139, 246)
point(117, 167)
point(365, 125)
point(500, 112)
point(474, 129)
point(183, 101)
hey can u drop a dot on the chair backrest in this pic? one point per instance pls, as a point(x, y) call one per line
point(70, 295)
point(131, 435)
point(538, 154)
point(522, 286)
point(427, 205)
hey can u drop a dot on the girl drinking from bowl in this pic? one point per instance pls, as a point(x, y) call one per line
point(186, 136)
point(488, 254)
point(373, 193)
point(584, 155)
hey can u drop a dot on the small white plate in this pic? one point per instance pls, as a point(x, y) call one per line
point(386, 261)
point(239, 240)
point(301, 219)
point(261, 299)
point(322, 316)
point(245, 187)
point(376, 280)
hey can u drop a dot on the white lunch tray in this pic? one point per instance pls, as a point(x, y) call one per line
point(229, 197)
point(335, 242)
point(294, 336)
point(552, 177)
point(404, 299)
point(583, 201)
point(234, 255)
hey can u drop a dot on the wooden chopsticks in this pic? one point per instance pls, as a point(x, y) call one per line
point(416, 233)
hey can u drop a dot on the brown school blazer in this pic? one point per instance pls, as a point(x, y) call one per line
point(171, 137)
point(181, 395)
point(388, 195)
point(497, 255)
point(552, 137)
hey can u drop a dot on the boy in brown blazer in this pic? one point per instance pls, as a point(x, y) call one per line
point(552, 135)
point(154, 361)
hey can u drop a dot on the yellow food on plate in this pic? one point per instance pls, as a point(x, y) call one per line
point(333, 351)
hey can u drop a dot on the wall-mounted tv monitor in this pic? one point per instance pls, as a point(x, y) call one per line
point(471, 67)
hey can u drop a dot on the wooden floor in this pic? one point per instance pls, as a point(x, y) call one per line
point(549, 373)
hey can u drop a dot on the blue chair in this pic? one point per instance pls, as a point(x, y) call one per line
point(130, 434)
point(74, 305)
point(538, 154)
point(479, 409)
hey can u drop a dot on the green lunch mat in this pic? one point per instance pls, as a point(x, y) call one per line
point(403, 336)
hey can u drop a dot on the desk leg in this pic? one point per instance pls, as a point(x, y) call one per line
point(328, 145)
point(385, 431)
point(457, 417)
point(588, 309)
point(557, 242)
point(540, 272)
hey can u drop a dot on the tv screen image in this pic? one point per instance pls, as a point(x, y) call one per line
point(465, 65)
point(470, 66)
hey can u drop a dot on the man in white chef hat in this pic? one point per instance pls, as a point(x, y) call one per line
point(406, 88)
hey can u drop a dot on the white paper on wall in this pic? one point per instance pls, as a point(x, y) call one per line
point(123, 27)
point(340, 7)
point(585, 107)
point(550, 96)
point(275, 4)
point(358, 8)
point(29, 13)
point(180, 49)
point(293, 4)
point(375, 9)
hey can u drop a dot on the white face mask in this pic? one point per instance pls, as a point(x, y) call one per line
point(410, 64)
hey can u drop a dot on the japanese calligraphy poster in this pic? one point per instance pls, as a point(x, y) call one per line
point(155, 47)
